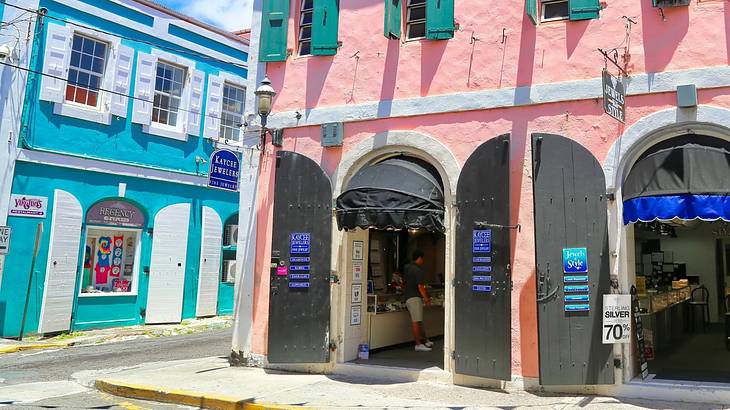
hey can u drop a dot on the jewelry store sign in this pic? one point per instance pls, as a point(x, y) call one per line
point(614, 96)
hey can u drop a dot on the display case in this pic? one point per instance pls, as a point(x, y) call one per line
point(656, 301)
point(664, 317)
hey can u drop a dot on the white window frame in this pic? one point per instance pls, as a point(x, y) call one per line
point(543, 3)
point(302, 26)
point(240, 83)
point(137, 260)
point(101, 113)
point(177, 132)
point(408, 21)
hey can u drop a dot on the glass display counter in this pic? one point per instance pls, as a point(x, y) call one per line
point(389, 322)
point(664, 316)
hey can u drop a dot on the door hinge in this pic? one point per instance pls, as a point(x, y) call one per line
point(453, 283)
point(333, 346)
point(617, 363)
point(453, 355)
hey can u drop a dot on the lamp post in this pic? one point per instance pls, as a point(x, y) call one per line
point(265, 95)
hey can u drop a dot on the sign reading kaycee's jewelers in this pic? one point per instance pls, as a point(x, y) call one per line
point(115, 213)
point(224, 170)
point(614, 96)
point(28, 205)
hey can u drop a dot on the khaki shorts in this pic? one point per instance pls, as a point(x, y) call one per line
point(415, 308)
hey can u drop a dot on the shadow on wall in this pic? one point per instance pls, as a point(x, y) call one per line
point(432, 52)
point(661, 35)
point(526, 60)
point(317, 71)
point(390, 73)
point(573, 34)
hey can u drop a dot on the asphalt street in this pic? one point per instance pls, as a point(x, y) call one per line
point(49, 370)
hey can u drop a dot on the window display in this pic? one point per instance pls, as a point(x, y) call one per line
point(110, 260)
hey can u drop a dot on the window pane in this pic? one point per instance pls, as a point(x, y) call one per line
point(98, 65)
point(307, 4)
point(83, 79)
point(85, 62)
point(416, 30)
point(75, 59)
point(305, 48)
point(70, 92)
point(88, 46)
point(78, 40)
point(94, 83)
point(555, 10)
point(100, 50)
point(307, 17)
point(306, 33)
point(414, 2)
point(417, 13)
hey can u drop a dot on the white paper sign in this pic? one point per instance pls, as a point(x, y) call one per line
point(355, 315)
point(4, 239)
point(357, 249)
point(28, 205)
point(357, 271)
point(357, 293)
point(616, 319)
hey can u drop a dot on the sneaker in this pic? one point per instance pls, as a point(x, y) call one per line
point(428, 343)
point(422, 348)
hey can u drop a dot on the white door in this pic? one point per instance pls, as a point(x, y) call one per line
point(210, 263)
point(167, 265)
point(63, 260)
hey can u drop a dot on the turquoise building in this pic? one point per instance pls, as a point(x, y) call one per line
point(125, 103)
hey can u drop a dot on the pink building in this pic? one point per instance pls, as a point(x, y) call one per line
point(476, 132)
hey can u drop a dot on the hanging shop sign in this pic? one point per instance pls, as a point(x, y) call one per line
point(614, 96)
point(115, 213)
point(224, 170)
point(28, 206)
point(616, 319)
point(4, 240)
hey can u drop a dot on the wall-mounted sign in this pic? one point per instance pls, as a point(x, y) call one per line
point(357, 250)
point(357, 271)
point(224, 170)
point(28, 205)
point(4, 240)
point(300, 242)
point(115, 213)
point(482, 241)
point(356, 293)
point(616, 319)
point(614, 96)
point(575, 260)
point(355, 315)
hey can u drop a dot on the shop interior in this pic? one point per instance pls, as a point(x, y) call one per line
point(683, 284)
point(389, 333)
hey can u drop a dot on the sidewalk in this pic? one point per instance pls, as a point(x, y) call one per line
point(114, 334)
point(212, 383)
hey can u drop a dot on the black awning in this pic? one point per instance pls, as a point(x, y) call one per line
point(689, 181)
point(397, 193)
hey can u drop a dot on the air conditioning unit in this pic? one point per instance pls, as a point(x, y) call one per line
point(229, 268)
point(231, 235)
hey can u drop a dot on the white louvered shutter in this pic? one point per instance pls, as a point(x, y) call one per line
point(144, 88)
point(55, 63)
point(122, 80)
point(210, 263)
point(196, 102)
point(63, 258)
point(213, 107)
point(167, 264)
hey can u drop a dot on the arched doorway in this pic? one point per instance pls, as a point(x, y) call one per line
point(675, 208)
point(391, 210)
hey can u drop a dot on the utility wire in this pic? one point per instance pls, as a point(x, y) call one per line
point(111, 92)
point(150, 43)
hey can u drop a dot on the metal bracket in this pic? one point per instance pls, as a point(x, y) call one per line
point(488, 225)
point(453, 355)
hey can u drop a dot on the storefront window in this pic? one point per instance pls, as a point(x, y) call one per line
point(112, 248)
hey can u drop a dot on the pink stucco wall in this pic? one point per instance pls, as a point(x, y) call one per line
point(552, 52)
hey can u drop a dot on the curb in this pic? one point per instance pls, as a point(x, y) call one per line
point(17, 348)
point(184, 397)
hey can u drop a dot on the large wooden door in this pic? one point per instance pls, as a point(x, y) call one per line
point(483, 285)
point(299, 304)
point(571, 240)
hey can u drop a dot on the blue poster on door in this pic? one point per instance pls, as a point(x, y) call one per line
point(575, 260)
point(224, 169)
point(482, 241)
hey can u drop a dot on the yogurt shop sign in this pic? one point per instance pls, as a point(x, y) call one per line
point(115, 213)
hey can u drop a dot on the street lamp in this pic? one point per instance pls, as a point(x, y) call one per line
point(265, 95)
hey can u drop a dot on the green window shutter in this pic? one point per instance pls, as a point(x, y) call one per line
point(584, 9)
point(324, 27)
point(531, 8)
point(439, 19)
point(392, 18)
point(274, 25)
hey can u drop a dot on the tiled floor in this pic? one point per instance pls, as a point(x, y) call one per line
point(406, 356)
point(699, 357)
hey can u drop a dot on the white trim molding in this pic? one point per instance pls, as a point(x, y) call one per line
point(704, 119)
point(639, 84)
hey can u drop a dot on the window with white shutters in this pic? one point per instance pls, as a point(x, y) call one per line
point(86, 70)
point(232, 112)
